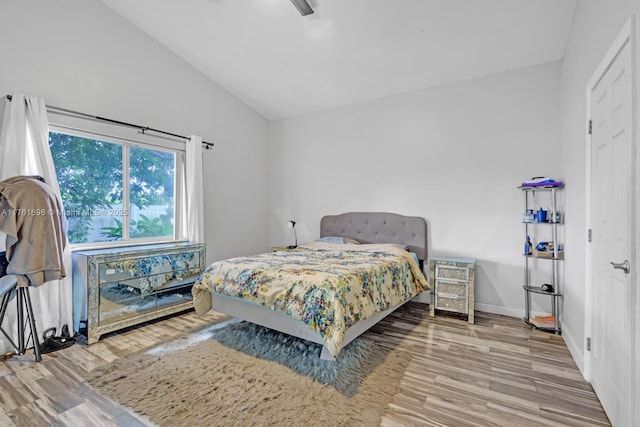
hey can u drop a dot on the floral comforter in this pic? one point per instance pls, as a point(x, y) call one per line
point(329, 287)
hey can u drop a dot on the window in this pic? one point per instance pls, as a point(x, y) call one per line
point(115, 190)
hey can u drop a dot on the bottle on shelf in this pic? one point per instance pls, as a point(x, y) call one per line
point(528, 246)
point(528, 216)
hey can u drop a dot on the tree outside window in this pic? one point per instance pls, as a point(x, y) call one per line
point(94, 192)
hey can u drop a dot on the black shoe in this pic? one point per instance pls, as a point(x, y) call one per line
point(48, 333)
point(65, 332)
point(52, 343)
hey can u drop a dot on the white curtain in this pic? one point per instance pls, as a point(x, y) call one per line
point(24, 150)
point(192, 218)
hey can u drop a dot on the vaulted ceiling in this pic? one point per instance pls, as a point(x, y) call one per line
point(283, 64)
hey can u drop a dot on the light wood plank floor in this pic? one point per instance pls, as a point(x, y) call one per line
point(497, 372)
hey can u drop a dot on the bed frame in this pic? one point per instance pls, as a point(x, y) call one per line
point(366, 227)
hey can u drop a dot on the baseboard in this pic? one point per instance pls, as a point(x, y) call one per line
point(487, 308)
point(506, 311)
point(575, 349)
point(498, 309)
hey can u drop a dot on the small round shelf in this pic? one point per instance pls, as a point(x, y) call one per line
point(538, 290)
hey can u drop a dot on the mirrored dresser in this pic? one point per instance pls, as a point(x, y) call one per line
point(119, 287)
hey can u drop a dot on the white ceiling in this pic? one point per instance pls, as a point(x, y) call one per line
point(283, 64)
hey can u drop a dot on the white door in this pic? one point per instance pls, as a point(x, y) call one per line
point(611, 185)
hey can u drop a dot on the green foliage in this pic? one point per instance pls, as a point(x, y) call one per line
point(90, 176)
point(89, 172)
point(113, 233)
point(152, 175)
point(146, 227)
point(79, 228)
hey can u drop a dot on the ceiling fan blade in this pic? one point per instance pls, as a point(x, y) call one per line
point(303, 7)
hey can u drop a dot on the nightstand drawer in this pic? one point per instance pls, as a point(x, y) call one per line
point(452, 273)
point(456, 290)
point(452, 303)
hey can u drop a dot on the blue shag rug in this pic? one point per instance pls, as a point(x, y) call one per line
point(300, 355)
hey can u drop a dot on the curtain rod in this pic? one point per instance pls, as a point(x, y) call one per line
point(143, 129)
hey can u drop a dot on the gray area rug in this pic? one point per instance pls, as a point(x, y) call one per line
point(241, 374)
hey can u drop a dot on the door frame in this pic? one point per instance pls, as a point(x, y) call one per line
point(628, 33)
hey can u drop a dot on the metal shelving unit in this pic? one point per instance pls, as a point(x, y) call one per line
point(553, 257)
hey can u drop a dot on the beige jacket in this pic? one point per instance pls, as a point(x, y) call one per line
point(32, 217)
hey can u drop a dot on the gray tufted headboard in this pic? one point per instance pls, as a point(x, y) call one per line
point(379, 227)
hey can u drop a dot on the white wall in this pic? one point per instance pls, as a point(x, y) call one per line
point(79, 54)
point(452, 154)
point(595, 26)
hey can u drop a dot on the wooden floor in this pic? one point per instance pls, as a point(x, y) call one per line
point(497, 372)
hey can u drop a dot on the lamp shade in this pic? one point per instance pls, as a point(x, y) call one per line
point(291, 224)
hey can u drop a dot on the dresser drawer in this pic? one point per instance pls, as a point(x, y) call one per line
point(153, 282)
point(119, 302)
point(173, 265)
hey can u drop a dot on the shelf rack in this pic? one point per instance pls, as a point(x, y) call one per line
point(557, 256)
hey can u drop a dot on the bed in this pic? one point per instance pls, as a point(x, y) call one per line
point(324, 292)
